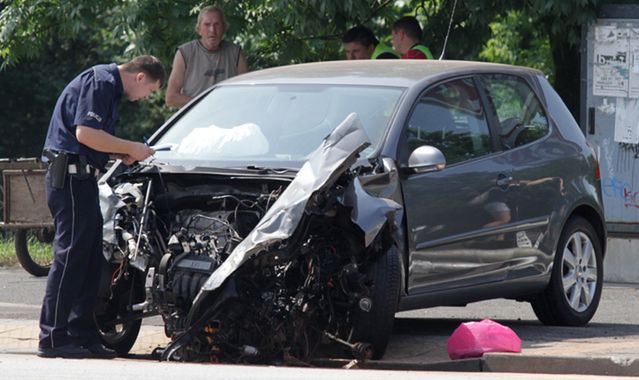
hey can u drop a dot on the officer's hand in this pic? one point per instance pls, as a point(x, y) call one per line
point(140, 152)
point(127, 160)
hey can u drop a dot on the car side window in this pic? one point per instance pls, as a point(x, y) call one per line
point(522, 119)
point(450, 117)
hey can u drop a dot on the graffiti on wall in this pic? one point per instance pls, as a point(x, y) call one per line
point(613, 187)
point(617, 159)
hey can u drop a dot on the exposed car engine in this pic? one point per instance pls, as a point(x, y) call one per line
point(282, 305)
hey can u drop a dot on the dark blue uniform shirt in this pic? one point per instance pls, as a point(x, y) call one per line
point(90, 99)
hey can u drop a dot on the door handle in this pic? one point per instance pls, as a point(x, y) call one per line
point(504, 181)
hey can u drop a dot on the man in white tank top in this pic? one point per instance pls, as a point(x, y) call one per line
point(201, 63)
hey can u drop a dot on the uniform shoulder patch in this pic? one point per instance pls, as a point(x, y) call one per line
point(95, 116)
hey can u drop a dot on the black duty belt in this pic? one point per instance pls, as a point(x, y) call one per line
point(74, 164)
point(83, 169)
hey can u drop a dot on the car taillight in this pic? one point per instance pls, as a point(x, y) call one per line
point(596, 156)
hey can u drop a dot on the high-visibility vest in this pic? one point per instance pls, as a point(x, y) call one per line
point(383, 49)
point(424, 50)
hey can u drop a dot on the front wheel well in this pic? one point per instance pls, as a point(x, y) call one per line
point(595, 219)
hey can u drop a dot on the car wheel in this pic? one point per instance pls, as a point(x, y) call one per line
point(572, 297)
point(115, 321)
point(39, 267)
point(376, 325)
point(120, 337)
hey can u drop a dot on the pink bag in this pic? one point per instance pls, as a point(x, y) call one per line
point(472, 339)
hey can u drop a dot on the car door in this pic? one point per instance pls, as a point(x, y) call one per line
point(537, 157)
point(458, 218)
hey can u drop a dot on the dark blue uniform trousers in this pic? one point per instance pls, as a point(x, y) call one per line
point(72, 285)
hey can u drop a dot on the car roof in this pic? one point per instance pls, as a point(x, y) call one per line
point(388, 72)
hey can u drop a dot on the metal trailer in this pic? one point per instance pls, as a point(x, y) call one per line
point(25, 209)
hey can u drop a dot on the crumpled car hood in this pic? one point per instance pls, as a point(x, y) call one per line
point(335, 155)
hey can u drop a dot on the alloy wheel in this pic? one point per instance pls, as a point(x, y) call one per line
point(579, 271)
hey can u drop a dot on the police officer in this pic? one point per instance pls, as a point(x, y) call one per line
point(360, 43)
point(407, 34)
point(79, 142)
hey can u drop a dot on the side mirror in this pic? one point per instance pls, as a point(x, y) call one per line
point(426, 159)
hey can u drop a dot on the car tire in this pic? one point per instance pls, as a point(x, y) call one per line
point(123, 339)
point(574, 291)
point(24, 257)
point(376, 326)
point(120, 337)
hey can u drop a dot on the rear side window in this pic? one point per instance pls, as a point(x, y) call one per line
point(450, 118)
point(522, 119)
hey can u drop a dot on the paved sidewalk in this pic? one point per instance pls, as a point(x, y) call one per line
point(601, 349)
point(19, 336)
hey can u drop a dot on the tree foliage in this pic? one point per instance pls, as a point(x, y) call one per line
point(273, 32)
point(45, 43)
point(518, 40)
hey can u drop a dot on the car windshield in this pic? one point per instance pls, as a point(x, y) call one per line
point(272, 125)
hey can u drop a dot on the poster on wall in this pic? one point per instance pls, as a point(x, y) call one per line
point(626, 121)
point(611, 64)
point(633, 75)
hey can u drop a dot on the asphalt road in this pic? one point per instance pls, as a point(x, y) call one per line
point(21, 297)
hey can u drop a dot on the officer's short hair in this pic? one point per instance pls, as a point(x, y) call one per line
point(207, 9)
point(149, 65)
point(361, 35)
point(410, 26)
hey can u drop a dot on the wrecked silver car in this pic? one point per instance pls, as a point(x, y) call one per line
point(300, 207)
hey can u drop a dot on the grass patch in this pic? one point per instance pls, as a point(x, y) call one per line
point(40, 252)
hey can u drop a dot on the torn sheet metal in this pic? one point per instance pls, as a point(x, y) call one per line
point(369, 213)
point(110, 203)
point(336, 154)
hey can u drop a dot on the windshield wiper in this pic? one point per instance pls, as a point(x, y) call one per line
point(265, 170)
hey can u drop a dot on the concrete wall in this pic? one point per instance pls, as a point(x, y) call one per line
point(621, 263)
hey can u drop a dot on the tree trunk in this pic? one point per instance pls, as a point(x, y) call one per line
point(566, 58)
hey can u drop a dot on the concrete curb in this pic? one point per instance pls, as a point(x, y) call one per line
point(505, 363)
point(602, 366)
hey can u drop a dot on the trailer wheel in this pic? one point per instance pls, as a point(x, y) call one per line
point(37, 267)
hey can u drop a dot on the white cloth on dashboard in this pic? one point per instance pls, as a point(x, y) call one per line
point(213, 141)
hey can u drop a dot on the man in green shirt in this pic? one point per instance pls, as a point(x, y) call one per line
point(360, 43)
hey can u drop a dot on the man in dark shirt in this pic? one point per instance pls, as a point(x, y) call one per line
point(79, 142)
